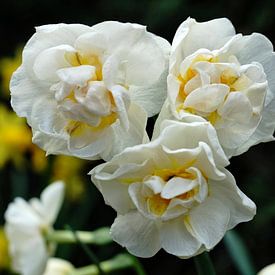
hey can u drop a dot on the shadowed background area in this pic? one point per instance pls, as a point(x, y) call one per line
point(25, 171)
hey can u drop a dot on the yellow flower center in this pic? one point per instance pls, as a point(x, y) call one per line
point(228, 77)
point(158, 205)
point(77, 128)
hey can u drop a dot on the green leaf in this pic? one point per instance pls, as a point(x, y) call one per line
point(239, 253)
point(204, 264)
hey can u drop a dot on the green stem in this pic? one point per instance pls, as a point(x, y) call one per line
point(87, 250)
point(121, 261)
point(100, 236)
point(204, 264)
point(239, 253)
point(138, 266)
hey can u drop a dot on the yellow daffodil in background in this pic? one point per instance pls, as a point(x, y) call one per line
point(69, 169)
point(7, 66)
point(4, 251)
point(15, 141)
point(15, 137)
point(38, 158)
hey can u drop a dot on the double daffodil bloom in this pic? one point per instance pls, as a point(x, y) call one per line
point(87, 91)
point(173, 193)
point(225, 78)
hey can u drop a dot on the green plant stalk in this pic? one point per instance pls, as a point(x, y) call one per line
point(204, 264)
point(87, 250)
point(100, 236)
point(137, 266)
point(119, 262)
point(239, 253)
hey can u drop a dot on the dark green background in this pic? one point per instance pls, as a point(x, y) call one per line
point(254, 170)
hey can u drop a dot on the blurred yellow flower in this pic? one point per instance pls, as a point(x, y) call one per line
point(69, 170)
point(15, 137)
point(7, 66)
point(4, 251)
point(15, 141)
point(38, 158)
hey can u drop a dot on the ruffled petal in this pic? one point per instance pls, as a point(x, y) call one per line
point(208, 222)
point(139, 235)
point(176, 240)
point(241, 208)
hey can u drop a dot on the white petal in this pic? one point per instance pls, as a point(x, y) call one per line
point(91, 144)
point(116, 195)
point(263, 133)
point(21, 215)
point(139, 235)
point(97, 99)
point(155, 184)
point(52, 199)
point(237, 108)
point(205, 162)
point(176, 240)
point(173, 87)
point(139, 199)
point(207, 98)
point(34, 258)
point(136, 133)
point(190, 135)
point(209, 221)
point(177, 186)
point(233, 135)
point(192, 36)
point(151, 98)
point(24, 92)
point(165, 113)
point(49, 36)
point(77, 75)
point(50, 60)
point(119, 34)
point(91, 43)
point(52, 144)
point(257, 48)
point(241, 208)
point(114, 178)
point(122, 102)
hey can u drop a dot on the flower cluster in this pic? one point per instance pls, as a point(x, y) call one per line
point(88, 91)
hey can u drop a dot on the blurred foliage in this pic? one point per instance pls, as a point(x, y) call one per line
point(25, 171)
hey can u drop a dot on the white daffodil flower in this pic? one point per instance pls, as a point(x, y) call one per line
point(27, 223)
point(268, 270)
point(173, 193)
point(225, 78)
point(57, 266)
point(87, 91)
